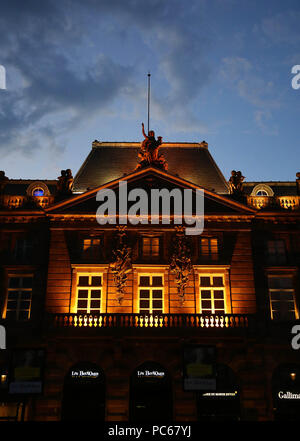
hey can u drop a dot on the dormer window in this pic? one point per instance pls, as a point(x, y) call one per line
point(261, 193)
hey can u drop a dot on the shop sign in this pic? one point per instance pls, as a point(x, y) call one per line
point(151, 374)
point(288, 395)
point(80, 374)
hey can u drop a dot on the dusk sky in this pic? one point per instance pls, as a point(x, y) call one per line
point(220, 72)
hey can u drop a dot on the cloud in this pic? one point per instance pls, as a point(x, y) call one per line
point(282, 27)
point(59, 76)
point(260, 92)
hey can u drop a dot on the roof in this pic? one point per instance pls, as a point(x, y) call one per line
point(108, 161)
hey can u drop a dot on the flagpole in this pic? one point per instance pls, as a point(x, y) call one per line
point(149, 75)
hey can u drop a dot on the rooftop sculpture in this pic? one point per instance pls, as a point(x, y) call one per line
point(148, 153)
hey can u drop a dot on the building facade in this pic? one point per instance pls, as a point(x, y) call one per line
point(140, 321)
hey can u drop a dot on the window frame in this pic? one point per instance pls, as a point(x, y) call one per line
point(84, 270)
point(150, 257)
point(214, 271)
point(282, 275)
point(151, 289)
point(212, 289)
point(22, 275)
point(210, 256)
point(97, 250)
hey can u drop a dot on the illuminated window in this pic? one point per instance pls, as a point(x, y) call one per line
point(38, 192)
point(19, 294)
point(150, 247)
point(282, 298)
point(209, 248)
point(151, 294)
point(276, 253)
point(212, 294)
point(89, 290)
point(91, 248)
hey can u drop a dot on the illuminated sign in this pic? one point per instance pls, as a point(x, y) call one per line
point(84, 374)
point(220, 394)
point(288, 395)
point(150, 374)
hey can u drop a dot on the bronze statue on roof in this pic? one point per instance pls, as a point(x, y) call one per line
point(149, 151)
point(236, 183)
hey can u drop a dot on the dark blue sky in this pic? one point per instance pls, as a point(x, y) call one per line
point(221, 72)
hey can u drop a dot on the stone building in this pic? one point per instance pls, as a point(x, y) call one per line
point(143, 322)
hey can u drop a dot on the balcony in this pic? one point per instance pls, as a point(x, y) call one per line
point(285, 202)
point(172, 322)
point(13, 202)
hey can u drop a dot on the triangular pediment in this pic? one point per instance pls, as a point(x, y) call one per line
point(149, 179)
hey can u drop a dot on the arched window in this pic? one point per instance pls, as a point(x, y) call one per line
point(37, 189)
point(150, 394)
point(262, 190)
point(261, 193)
point(38, 192)
point(84, 393)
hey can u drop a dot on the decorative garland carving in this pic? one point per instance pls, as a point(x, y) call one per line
point(121, 265)
point(181, 264)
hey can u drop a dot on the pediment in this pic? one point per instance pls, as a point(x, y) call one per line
point(149, 179)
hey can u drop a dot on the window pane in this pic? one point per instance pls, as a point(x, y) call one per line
point(96, 281)
point(95, 304)
point(144, 294)
point(218, 294)
point(157, 304)
point(204, 281)
point(83, 281)
point(144, 303)
point(206, 304)
point(157, 281)
point(83, 293)
point(95, 294)
point(217, 281)
point(27, 282)
point(82, 304)
point(205, 294)
point(14, 282)
point(219, 304)
point(144, 281)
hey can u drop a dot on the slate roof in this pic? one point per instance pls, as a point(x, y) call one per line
point(108, 161)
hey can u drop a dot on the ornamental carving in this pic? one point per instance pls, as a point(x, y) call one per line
point(181, 264)
point(148, 153)
point(121, 265)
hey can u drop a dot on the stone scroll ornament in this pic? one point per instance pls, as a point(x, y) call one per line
point(181, 264)
point(121, 265)
point(148, 153)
